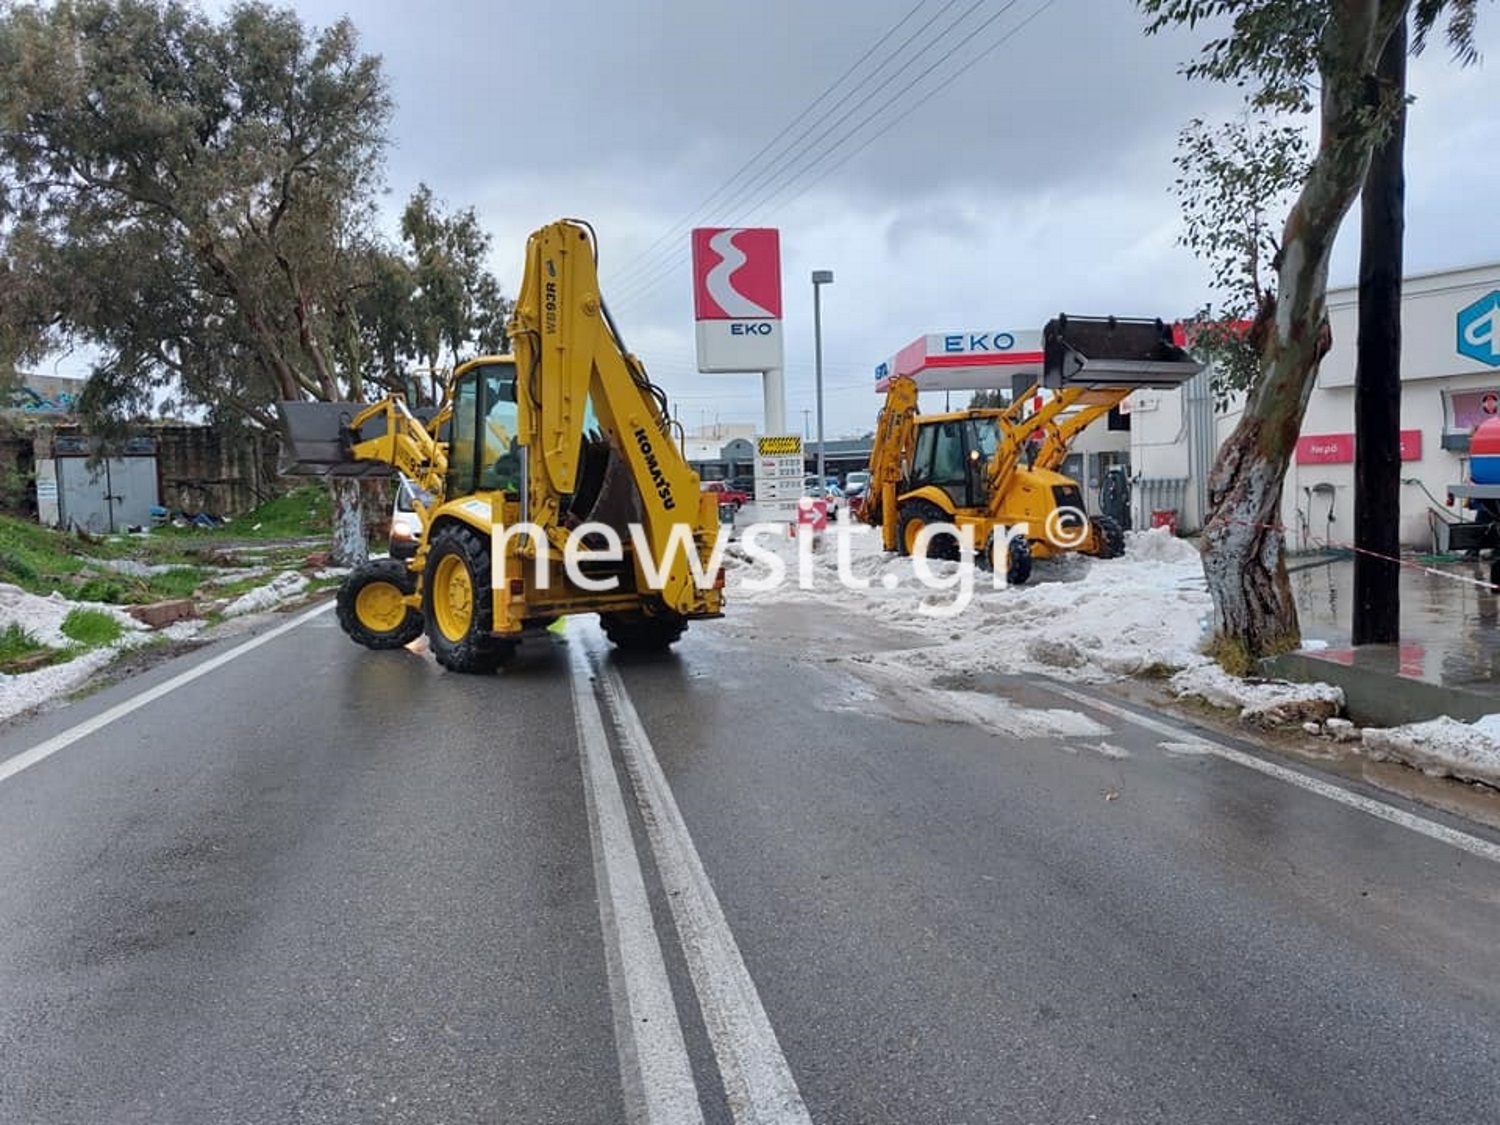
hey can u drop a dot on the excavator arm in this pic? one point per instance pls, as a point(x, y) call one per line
point(570, 361)
point(1059, 432)
point(895, 429)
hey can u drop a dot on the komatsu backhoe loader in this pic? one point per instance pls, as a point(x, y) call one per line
point(550, 485)
point(994, 472)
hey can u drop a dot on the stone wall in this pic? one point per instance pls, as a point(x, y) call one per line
point(199, 469)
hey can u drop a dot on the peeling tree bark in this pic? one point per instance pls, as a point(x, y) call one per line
point(350, 547)
point(1243, 542)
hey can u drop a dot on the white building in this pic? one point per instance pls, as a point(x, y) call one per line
point(1450, 362)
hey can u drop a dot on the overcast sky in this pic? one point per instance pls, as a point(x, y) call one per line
point(984, 165)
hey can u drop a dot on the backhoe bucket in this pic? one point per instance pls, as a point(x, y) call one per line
point(316, 441)
point(1112, 351)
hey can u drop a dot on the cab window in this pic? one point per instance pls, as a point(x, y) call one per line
point(500, 461)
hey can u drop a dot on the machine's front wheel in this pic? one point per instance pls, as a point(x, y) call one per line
point(370, 605)
point(1018, 566)
point(458, 603)
point(913, 516)
point(639, 632)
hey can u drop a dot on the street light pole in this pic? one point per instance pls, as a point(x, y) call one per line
point(819, 278)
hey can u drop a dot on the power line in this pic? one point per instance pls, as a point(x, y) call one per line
point(683, 223)
point(773, 166)
point(665, 269)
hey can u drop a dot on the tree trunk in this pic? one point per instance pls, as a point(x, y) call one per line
point(350, 546)
point(1244, 562)
point(1377, 373)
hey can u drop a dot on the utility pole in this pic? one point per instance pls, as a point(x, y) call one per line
point(806, 435)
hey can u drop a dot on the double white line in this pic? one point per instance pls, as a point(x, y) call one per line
point(654, 1066)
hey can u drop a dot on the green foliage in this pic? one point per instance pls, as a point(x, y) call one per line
point(1281, 49)
point(105, 590)
point(91, 628)
point(186, 194)
point(1236, 182)
point(305, 511)
point(987, 400)
point(16, 644)
point(179, 582)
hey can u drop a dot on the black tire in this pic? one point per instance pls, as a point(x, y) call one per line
point(914, 515)
point(639, 632)
point(1018, 569)
point(369, 605)
point(1109, 537)
point(458, 603)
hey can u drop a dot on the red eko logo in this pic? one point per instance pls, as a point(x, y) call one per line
point(736, 273)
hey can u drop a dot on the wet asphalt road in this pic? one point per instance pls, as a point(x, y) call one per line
point(319, 884)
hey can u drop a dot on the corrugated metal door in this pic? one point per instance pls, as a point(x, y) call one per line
point(109, 496)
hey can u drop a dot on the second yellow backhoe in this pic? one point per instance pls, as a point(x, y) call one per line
point(993, 473)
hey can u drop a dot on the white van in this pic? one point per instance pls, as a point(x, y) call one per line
point(406, 525)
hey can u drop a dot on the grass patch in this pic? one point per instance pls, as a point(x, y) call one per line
point(179, 583)
point(1157, 670)
point(92, 628)
point(17, 644)
point(38, 559)
point(1235, 657)
point(303, 513)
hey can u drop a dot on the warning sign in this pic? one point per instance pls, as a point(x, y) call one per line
point(790, 446)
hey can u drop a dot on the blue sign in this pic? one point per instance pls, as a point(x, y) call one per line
point(979, 342)
point(1479, 330)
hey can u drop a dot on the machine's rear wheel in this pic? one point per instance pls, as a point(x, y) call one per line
point(370, 607)
point(639, 632)
point(1109, 538)
point(913, 516)
point(458, 604)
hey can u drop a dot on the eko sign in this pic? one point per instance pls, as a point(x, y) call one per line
point(737, 298)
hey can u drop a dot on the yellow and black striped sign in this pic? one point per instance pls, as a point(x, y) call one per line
point(778, 446)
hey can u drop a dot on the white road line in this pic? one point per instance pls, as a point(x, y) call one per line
point(1474, 845)
point(44, 750)
point(654, 1067)
point(757, 1079)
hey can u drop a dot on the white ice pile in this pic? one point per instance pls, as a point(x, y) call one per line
point(1442, 747)
point(1077, 618)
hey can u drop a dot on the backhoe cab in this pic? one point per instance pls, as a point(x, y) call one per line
point(549, 484)
point(993, 473)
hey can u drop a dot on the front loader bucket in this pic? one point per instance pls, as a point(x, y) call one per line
point(316, 441)
point(1113, 352)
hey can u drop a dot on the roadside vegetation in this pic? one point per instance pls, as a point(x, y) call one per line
point(209, 566)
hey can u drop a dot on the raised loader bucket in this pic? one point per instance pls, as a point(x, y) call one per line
point(316, 441)
point(1113, 351)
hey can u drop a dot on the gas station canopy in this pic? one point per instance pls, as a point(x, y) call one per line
point(965, 361)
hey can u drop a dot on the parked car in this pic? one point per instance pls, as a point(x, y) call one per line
point(829, 492)
point(726, 493)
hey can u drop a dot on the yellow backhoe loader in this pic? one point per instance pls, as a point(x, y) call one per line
point(550, 484)
point(993, 473)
